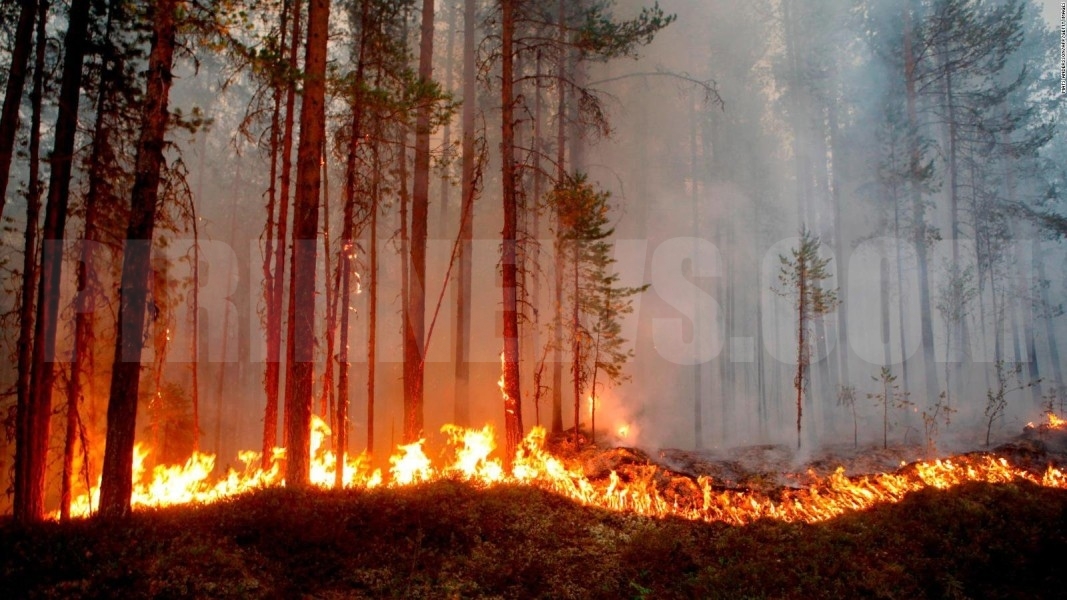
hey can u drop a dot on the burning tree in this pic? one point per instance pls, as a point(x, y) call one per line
point(800, 278)
point(596, 299)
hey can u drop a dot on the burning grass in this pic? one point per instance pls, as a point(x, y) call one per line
point(451, 538)
point(617, 479)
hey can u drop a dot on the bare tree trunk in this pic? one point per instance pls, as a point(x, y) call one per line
point(195, 325)
point(222, 372)
point(88, 292)
point(561, 172)
point(326, 400)
point(1046, 304)
point(900, 289)
point(415, 306)
point(16, 80)
point(802, 351)
point(305, 231)
point(535, 234)
point(839, 156)
point(450, 54)
point(576, 347)
point(694, 200)
point(116, 480)
point(31, 447)
point(466, 226)
point(919, 216)
point(274, 319)
point(372, 310)
point(27, 300)
point(512, 396)
point(346, 254)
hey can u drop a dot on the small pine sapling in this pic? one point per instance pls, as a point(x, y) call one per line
point(889, 396)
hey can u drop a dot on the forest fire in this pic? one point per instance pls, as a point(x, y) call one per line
point(821, 499)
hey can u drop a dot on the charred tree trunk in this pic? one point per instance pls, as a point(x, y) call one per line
point(16, 80)
point(88, 292)
point(509, 263)
point(116, 480)
point(31, 447)
point(305, 231)
point(27, 301)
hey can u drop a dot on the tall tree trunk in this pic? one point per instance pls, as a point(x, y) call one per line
point(509, 262)
point(195, 310)
point(372, 310)
point(576, 345)
point(694, 206)
point(88, 292)
point(840, 157)
point(802, 351)
point(326, 400)
point(222, 373)
point(117, 477)
point(415, 326)
point(305, 231)
point(272, 373)
point(900, 289)
point(466, 225)
point(919, 214)
point(27, 301)
point(32, 446)
point(347, 253)
point(535, 234)
point(561, 173)
point(1047, 316)
point(952, 168)
point(16, 80)
point(450, 54)
point(345, 256)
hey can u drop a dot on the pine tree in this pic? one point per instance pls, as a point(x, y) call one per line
point(597, 301)
point(116, 479)
point(801, 278)
point(305, 231)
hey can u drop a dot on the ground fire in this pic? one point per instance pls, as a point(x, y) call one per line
point(639, 491)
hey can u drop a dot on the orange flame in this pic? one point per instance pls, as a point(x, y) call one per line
point(824, 498)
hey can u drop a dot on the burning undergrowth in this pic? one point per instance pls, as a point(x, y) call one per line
point(738, 487)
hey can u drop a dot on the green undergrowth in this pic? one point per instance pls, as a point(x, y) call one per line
point(452, 540)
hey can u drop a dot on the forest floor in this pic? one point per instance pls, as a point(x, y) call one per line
point(451, 539)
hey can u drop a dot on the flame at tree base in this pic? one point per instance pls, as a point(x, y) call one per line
point(825, 498)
